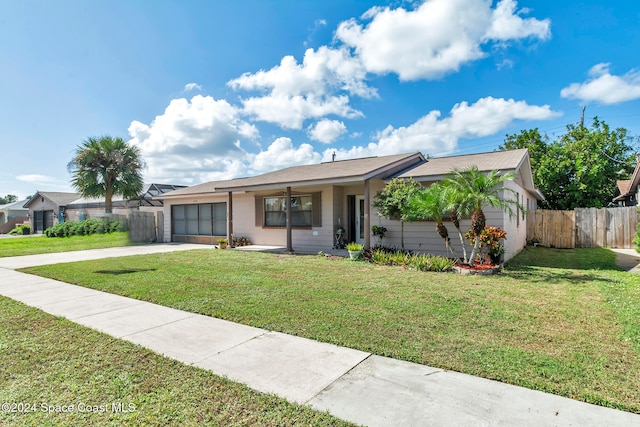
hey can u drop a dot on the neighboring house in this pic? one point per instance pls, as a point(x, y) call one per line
point(327, 195)
point(83, 208)
point(47, 208)
point(12, 214)
point(628, 191)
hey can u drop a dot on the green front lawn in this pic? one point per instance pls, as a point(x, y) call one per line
point(561, 321)
point(56, 372)
point(16, 246)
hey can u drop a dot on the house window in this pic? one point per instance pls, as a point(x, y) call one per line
point(208, 219)
point(275, 211)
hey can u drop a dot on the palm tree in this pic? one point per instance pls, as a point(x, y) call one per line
point(478, 190)
point(431, 203)
point(106, 166)
point(457, 212)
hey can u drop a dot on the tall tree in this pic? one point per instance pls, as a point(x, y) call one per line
point(105, 167)
point(581, 167)
point(9, 198)
point(391, 201)
point(479, 190)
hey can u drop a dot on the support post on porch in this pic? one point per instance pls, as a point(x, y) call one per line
point(230, 219)
point(288, 220)
point(367, 216)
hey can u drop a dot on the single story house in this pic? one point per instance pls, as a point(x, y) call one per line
point(628, 191)
point(49, 208)
point(12, 214)
point(326, 196)
point(83, 208)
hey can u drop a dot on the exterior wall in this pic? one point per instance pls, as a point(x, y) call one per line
point(48, 207)
point(423, 237)
point(418, 236)
point(304, 240)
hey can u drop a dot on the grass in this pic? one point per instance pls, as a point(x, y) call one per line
point(16, 246)
point(561, 321)
point(49, 362)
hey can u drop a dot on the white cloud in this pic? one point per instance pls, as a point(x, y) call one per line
point(320, 86)
point(327, 131)
point(281, 154)
point(437, 37)
point(290, 112)
point(438, 136)
point(604, 87)
point(35, 178)
point(193, 138)
point(507, 24)
point(192, 86)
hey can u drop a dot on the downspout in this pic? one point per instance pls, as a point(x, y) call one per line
point(288, 220)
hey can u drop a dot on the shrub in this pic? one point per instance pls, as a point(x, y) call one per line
point(637, 239)
point(85, 228)
point(421, 262)
point(23, 229)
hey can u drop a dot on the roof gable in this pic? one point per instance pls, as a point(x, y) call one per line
point(58, 198)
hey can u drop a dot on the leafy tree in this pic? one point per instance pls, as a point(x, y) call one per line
point(478, 190)
point(580, 169)
point(9, 198)
point(392, 200)
point(106, 166)
point(431, 203)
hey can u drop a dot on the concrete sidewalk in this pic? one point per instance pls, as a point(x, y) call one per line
point(350, 384)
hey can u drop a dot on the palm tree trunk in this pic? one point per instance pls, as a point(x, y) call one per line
point(464, 247)
point(107, 200)
point(474, 251)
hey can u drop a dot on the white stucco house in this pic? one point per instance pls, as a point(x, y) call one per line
point(327, 195)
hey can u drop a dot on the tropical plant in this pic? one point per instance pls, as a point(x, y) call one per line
point(478, 190)
point(637, 239)
point(105, 167)
point(491, 240)
point(432, 203)
point(391, 201)
point(352, 246)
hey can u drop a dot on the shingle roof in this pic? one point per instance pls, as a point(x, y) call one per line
point(14, 206)
point(356, 169)
point(437, 167)
point(338, 171)
point(60, 199)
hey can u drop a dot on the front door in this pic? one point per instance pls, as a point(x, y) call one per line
point(359, 232)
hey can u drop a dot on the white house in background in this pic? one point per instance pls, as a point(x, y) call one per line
point(12, 214)
point(328, 195)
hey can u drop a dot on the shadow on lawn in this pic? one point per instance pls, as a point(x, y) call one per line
point(538, 264)
point(127, 271)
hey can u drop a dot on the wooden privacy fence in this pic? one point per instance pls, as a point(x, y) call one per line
point(584, 228)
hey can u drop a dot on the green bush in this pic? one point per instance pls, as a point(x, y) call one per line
point(637, 239)
point(421, 262)
point(23, 229)
point(85, 228)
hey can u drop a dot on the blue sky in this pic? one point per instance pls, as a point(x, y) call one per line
point(214, 89)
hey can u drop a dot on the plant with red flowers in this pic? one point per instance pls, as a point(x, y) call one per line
point(490, 241)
